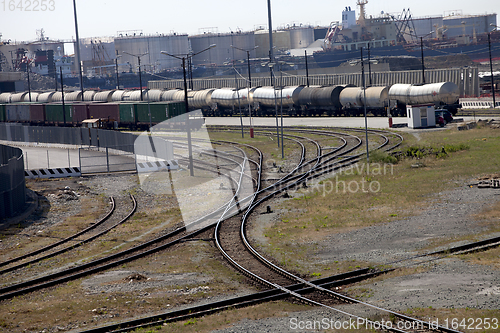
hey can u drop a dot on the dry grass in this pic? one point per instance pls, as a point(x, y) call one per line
point(90, 212)
point(227, 318)
point(334, 206)
point(312, 216)
point(72, 304)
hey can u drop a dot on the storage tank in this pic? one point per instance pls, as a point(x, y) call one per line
point(445, 92)
point(224, 97)
point(167, 95)
point(104, 96)
point(178, 96)
point(281, 40)
point(245, 95)
point(118, 95)
point(135, 95)
point(126, 95)
point(5, 97)
point(88, 95)
point(306, 95)
point(138, 43)
point(223, 51)
point(153, 95)
point(267, 96)
point(34, 97)
point(327, 96)
point(45, 97)
point(202, 99)
point(301, 37)
point(68, 96)
point(376, 97)
point(73, 96)
point(18, 97)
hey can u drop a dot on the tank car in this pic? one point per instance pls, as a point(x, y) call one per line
point(353, 100)
point(266, 98)
point(442, 95)
point(316, 100)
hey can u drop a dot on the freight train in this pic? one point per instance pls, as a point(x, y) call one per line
point(125, 108)
point(133, 115)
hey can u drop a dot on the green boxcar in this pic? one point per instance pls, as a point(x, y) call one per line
point(54, 113)
point(127, 113)
point(176, 109)
point(160, 111)
point(2, 112)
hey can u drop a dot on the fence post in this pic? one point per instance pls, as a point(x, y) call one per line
point(69, 160)
point(107, 159)
point(80, 159)
point(48, 161)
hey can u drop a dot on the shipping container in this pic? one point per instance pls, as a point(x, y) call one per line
point(108, 111)
point(80, 112)
point(37, 113)
point(54, 113)
point(176, 109)
point(2, 112)
point(19, 112)
point(127, 113)
point(160, 111)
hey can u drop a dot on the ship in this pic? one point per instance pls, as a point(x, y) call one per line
point(386, 36)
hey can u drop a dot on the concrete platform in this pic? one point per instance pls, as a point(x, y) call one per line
point(354, 122)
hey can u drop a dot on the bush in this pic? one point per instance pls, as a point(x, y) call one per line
point(378, 156)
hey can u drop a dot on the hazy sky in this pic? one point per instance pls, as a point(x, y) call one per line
point(106, 17)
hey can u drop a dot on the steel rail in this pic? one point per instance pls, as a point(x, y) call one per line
point(51, 246)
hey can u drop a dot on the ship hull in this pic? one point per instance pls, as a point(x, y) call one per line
point(477, 53)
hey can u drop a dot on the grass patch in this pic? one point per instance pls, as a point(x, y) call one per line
point(367, 195)
point(71, 304)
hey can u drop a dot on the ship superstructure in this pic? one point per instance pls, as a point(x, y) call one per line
point(353, 34)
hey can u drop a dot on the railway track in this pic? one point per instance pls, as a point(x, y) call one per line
point(57, 244)
point(232, 230)
point(316, 297)
point(117, 215)
point(284, 284)
point(278, 280)
point(158, 244)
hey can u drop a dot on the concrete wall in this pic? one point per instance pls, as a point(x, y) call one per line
point(12, 183)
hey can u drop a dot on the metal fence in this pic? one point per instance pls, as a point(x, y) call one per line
point(12, 182)
point(467, 79)
point(106, 159)
point(98, 150)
